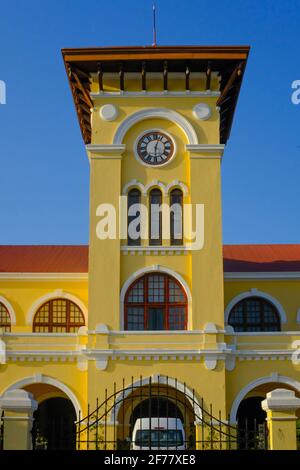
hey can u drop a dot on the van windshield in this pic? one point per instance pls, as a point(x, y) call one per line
point(159, 438)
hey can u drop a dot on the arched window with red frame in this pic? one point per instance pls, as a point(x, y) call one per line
point(58, 316)
point(5, 320)
point(156, 301)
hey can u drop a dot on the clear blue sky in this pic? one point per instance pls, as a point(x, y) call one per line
point(44, 169)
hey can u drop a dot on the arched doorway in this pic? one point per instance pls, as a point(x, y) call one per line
point(54, 425)
point(154, 400)
point(251, 423)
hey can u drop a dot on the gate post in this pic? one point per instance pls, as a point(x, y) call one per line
point(280, 406)
point(18, 407)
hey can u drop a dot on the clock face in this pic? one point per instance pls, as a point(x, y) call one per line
point(155, 148)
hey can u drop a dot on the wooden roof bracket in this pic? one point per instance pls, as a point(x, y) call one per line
point(236, 73)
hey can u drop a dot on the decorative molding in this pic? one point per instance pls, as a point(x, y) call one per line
point(9, 308)
point(105, 151)
point(156, 332)
point(18, 400)
point(54, 295)
point(134, 183)
point(101, 361)
point(36, 335)
point(281, 399)
point(155, 184)
point(256, 383)
point(210, 362)
point(210, 328)
point(40, 378)
point(166, 188)
point(108, 112)
point(150, 269)
point(44, 276)
point(206, 149)
point(101, 329)
point(255, 293)
point(162, 113)
point(230, 363)
point(156, 250)
point(262, 275)
point(177, 184)
point(202, 111)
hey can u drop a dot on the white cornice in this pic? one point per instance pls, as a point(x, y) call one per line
point(196, 149)
point(262, 275)
point(44, 276)
point(111, 151)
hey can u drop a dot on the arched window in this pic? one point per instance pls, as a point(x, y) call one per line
point(254, 314)
point(5, 322)
point(134, 217)
point(58, 316)
point(155, 225)
point(156, 301)
point(176, 217)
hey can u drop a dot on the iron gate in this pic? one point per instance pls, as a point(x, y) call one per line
point(110, 425)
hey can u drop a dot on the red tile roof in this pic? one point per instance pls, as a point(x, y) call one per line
point(44, 259)
point(74, 258)
point(261, 258)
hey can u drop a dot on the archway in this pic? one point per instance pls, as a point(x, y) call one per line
point(58, 410)
point(154, 400)
point(251, 423)
point(246, 410)
point(54, 425)
point(54, 420)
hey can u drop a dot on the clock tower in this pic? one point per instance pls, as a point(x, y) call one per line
point(155, 122)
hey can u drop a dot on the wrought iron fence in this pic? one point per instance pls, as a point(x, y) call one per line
point(169, 416)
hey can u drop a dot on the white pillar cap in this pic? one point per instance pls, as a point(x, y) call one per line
point(18, 400)
point(281, 399)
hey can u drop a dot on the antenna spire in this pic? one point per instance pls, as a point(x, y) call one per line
point(154, 25)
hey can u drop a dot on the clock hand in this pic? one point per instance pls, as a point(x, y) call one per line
point(155, 148)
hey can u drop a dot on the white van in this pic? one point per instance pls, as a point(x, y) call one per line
point(157, 434)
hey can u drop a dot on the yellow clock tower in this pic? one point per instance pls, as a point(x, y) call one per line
point(155, 121)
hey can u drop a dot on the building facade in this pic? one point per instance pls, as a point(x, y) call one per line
point(155, 312)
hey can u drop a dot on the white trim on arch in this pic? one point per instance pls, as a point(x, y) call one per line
point(10, 309)
point(154, 184)
point(150, 269)
point(177, 184)
point(162, 113)
point(162, 380)
point(256, 383)
point(51, 296)
point(44, 379)
point(133, 184)
point(166, 188)
point(255, 293)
